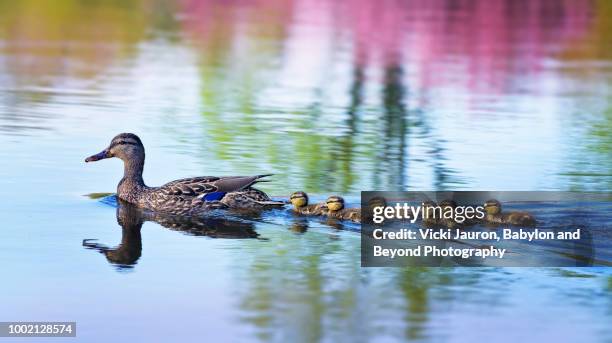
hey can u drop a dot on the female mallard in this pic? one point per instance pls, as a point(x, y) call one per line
point(335, 209)
point(299, 200)
point(184, 196)
point(494, 215)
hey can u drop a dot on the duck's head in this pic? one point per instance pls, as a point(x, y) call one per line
point(126, 146)
point(492, 206)
point(299, 199)
point(334, 203)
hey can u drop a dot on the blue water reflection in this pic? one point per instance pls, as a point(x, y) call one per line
point(332, 97)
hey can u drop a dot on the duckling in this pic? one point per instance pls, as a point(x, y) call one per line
point(494, 215)
point(377, 202)
point(299, 200)
point(428, 207)
point(373, 203)
point(448, 205)
point(335, 208)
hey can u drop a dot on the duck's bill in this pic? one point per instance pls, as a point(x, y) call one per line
point(99, 156)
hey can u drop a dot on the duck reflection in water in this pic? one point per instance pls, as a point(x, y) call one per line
point(131, 218)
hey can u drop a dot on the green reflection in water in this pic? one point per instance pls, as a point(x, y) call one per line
point(309, 285)
point(89, 32)
point(592, 164)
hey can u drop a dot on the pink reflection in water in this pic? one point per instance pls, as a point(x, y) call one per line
point(480, 45)
point(491, 40)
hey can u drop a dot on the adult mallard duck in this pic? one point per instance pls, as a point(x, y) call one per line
point(494, 215)
point(185, 196)
point(335, 209)
point(299, 200)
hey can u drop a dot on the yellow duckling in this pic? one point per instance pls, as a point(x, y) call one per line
point(335, 209)
point(299, 200)
point(494, 215)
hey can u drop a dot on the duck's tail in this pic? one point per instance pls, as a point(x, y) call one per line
point(258, 178)
point(271, 203)
point(237, 183)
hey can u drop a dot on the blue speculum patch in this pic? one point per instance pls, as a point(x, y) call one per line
point(214, 196)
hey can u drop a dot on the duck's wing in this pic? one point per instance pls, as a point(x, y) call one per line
point(202, 185)
point(193, 186)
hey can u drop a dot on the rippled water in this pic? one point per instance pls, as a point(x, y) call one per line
point(333, 97)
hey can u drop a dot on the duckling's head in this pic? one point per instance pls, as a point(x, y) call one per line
point(334, 203)
point(126, 146)
point(492, 206)
point(299, 199)
point(377, 202)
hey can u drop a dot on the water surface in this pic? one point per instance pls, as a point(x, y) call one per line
point(333, 97)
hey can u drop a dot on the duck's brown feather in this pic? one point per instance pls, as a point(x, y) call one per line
point(202, 185)
point(185, 196)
